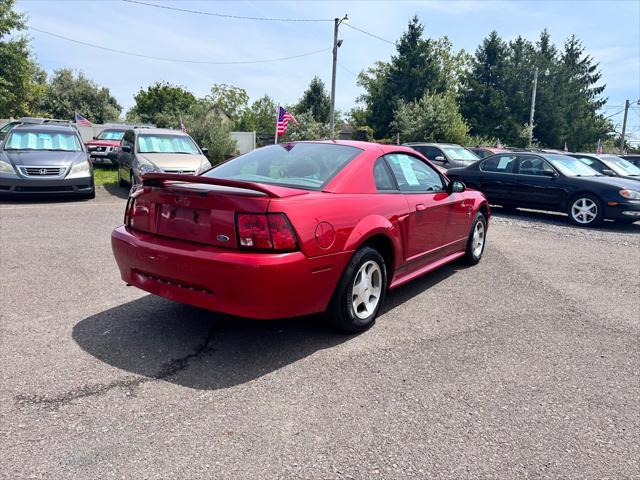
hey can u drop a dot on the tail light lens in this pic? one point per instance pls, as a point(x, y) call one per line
point(271, 231)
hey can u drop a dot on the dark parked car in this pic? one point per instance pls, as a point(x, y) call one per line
point(635, 159)
point(445, 155)
point(610, 165)
point(484, 152)
point(553, 182)
point(45, 159)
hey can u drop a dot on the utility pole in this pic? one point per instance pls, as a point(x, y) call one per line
point(533, 105)
point(336, 45)
point(624, 126)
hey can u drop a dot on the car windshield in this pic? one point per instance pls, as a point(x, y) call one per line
point(161, 143)
point(39, 140)
point(460, 153)
point(300, 165)
point(8, 127)
point(620, 165)
point(111, 135)
point(571, 167)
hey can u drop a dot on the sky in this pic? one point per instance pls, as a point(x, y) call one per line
point(609, 30)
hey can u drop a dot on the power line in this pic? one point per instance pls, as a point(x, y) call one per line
point(236, 17)
point(368, 33)
point(347, 70)
point(178, 60)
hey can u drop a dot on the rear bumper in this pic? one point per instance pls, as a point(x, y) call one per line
point(27, 186)
point(629, 209)
point(247, 284)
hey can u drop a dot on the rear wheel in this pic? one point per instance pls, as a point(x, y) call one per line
point(585, 210)
point(476, 240)
point(360, 292)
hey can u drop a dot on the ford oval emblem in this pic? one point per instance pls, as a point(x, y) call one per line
point(222, 238)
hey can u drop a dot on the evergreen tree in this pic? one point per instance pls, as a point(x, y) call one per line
point(483, 97)
point(420, 65)
point(315, 99)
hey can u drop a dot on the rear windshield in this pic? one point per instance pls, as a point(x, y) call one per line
point(111, 135)
point(35, 140)
point(301, 165)
point(167, 144)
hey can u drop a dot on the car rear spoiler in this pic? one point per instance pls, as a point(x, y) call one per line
point(161, 179)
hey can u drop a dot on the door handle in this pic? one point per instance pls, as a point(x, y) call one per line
point(420, 207)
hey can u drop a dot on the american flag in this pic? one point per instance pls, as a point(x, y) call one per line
point(599, 149)
point(182, 127)
point(80, 120)
point(283, 121)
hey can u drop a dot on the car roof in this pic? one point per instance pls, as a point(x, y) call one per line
point(383, 147)
point(160, 131)
point(45, 127)
point(428, 144)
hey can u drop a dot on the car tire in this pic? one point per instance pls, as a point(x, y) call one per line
point(365, 275)
point(477, 240)
point(585, 210)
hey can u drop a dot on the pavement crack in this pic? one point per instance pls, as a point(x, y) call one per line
point(128, 384)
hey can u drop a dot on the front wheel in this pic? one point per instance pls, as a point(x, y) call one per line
point(585, 210)
point(360, 292)
point(476, 240)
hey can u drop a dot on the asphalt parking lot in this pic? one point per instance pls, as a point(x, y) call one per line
point(525, 366)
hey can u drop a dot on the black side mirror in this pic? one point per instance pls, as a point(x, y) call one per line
point(609, 173)
point(126, 148)
point(548, 173)
point(456, 187)
point(95, 138)
point(205, 150)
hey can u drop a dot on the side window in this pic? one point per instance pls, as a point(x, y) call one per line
point(128, 138)
point(530, 165)
point(592, 163)
point(381, 176)
point(433, 152)
point(498, 163)
point(414, 175)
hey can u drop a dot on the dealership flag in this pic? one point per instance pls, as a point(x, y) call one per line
point(498, 144)
point(282, 122)
point(80, 120)
point(182, 127)
point(599, 149)
point(566, 149)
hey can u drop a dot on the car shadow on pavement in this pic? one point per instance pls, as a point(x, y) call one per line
point(196, 348)
point(116, 190)
point(559, 219)
point(164, 340)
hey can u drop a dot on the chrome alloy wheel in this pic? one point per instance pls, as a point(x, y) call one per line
point(584, 210)
point(367, 288)
point(477, 243)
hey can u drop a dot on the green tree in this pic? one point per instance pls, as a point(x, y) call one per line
point(233, 100)
point(420, 65)
point(211, 131)
point(67, 93)
point(161, 104)
point(260, 117)
point(315, 99)
point(21, 79)
point(433, 118)
point(483, 99)
point(581, 97)
point(307, 128)
point(517, 86)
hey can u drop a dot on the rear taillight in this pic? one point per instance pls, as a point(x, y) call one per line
point(270, 231)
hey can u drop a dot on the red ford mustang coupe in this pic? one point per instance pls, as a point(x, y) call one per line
point(298, 228)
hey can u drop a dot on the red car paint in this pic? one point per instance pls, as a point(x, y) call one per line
point(180, 238)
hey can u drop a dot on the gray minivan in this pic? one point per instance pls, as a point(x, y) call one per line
point(45, 159)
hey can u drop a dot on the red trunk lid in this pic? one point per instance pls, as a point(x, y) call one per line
point(199, 209)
